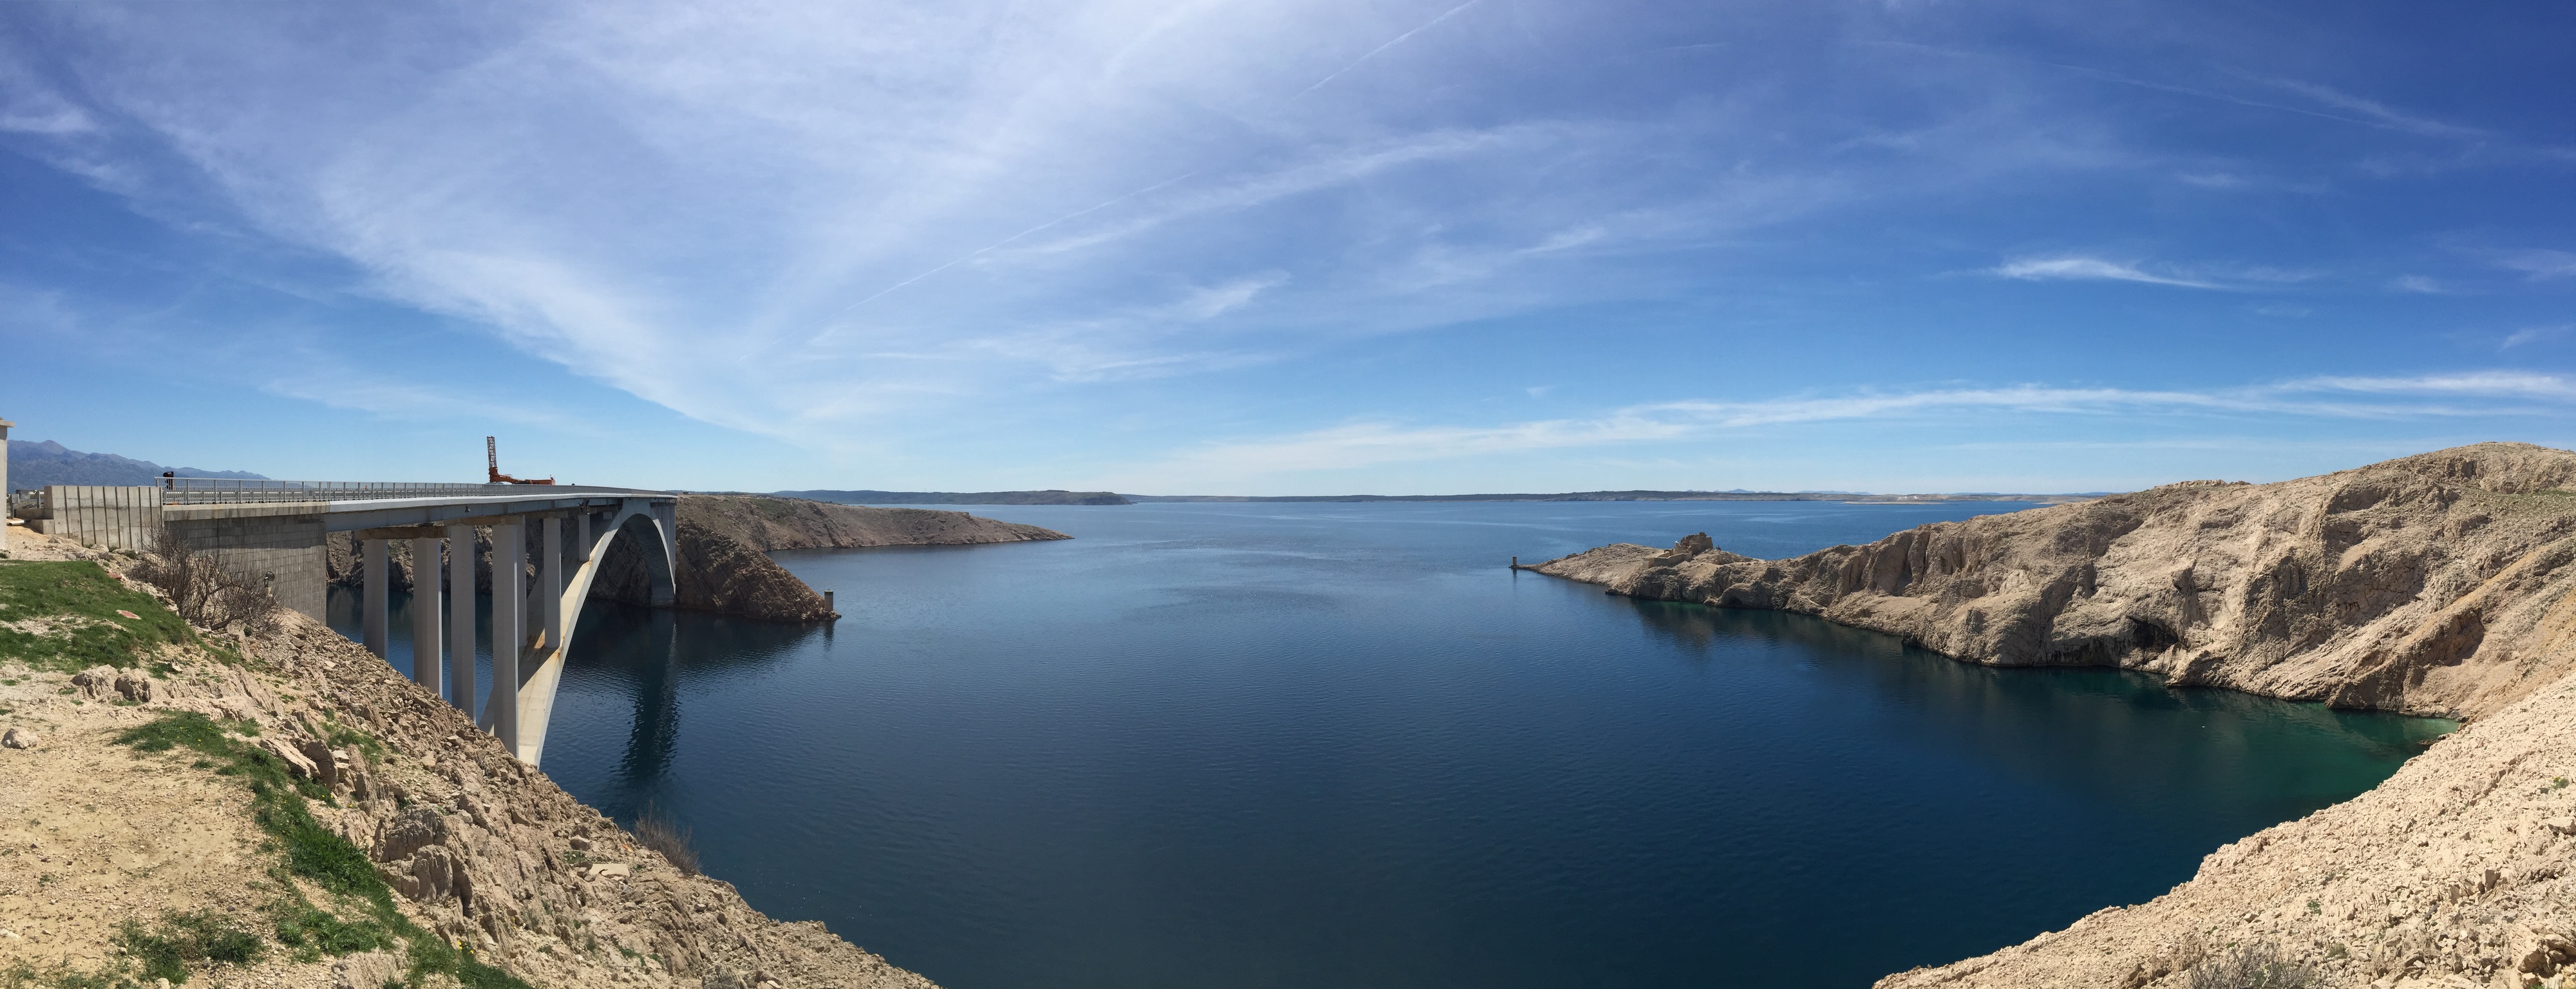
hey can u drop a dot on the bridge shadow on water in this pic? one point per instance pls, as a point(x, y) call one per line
point(652, 656)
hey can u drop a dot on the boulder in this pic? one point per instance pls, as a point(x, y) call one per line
point(291, 755)
point(139, 687)
point(18, 738)
point(325, 763)
point(95, 683)
point(366, 970)
point(410, 831)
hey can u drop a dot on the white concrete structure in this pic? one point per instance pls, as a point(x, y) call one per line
point(277, 534)
point(532, 621)
point(425, 638)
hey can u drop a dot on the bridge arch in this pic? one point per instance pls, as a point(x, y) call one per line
point(649, 528)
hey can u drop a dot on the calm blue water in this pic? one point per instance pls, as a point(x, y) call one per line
point(1239, 745)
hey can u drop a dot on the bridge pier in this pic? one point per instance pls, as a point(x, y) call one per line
point(372, 599)
point(460, 617)
point(276, 535)
point(509, 639)
point(550, 581)
point(425, 645)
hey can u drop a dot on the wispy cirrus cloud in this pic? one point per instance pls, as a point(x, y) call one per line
point(1370, 444)
point(2073, 268)
point(2539, 264)
point(2534, 334)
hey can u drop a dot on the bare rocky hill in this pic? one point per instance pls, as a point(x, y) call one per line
point(279, 808)
point(2433, 584)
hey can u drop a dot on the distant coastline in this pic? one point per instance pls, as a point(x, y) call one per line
point(1062, 497)
point(1841, 496)
point(1050, 497)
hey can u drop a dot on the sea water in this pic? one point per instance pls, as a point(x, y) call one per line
point(1256, 745)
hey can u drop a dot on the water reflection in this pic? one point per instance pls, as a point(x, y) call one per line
point(1340, 745)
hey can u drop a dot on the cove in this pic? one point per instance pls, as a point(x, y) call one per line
point(1233, 745)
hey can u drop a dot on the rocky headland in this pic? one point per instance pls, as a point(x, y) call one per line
point(2435, 584)
point(270, 805)
point(722, 542)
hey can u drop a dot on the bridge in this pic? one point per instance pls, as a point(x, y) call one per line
point(277, 535)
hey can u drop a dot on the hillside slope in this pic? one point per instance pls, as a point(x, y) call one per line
point(282, 809)
point(2433, 584)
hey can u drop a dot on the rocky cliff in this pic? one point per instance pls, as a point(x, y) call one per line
point(283, 810)
point(721, 540)
point(768, 524)
point(2433, 584)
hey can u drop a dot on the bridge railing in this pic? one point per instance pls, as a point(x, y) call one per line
point(223, 490)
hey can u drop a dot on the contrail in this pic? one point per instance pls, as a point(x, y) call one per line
point(1399, 39)
point(1006, 241)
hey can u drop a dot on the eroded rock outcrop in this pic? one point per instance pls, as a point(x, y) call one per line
point(2433, 584)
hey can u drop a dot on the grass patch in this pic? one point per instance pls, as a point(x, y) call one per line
point(165, 949)
point(343, 736)
point(87, 609)
point(660, 833)
point(278, 805)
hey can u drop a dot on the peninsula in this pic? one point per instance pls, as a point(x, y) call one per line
point(2435, 584)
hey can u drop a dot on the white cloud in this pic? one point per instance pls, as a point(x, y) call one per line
point(1371, 444)
point(2540, 265)
point(2534, 334)
point(2417, 284)
point(2078, 268)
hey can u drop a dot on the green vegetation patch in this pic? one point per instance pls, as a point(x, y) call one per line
point(71, 615)
point(165, 949)
point(316, 855)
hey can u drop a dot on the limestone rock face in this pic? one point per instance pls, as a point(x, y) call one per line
point(2432, 584)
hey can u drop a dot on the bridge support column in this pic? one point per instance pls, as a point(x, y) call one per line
point(371, 594)
point(460, 617)
point(550, 582)
point(666, 592)
point(424, 613)
point(509, 637)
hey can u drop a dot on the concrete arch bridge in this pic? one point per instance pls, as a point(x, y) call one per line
point(277, 533)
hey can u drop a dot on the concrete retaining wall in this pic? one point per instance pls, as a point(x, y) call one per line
point(276, 546)
point(98, 515)
point(279, 546)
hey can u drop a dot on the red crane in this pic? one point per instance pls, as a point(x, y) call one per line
point(492, 466)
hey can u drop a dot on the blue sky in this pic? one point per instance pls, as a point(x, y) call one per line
point(1322, 247)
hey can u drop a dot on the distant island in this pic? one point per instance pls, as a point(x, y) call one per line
point(1050, 497)
point(2051, 499)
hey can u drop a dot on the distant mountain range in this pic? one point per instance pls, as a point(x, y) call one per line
point(39, 463)
point(958, 498)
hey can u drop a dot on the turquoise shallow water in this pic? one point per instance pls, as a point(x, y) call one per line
point(1332, 744)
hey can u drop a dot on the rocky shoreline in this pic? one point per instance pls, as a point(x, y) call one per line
point(2428, 585)
point(2436, 584)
